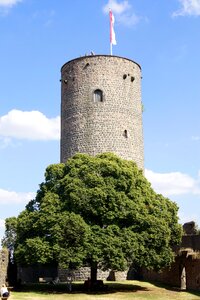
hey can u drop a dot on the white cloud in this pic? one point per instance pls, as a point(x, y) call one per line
point(2, 223)
point(188, 8)
point(30, 125)
point(129, 20)
point(123, 12)
point(117, 8)
point(9, 3)
point(195, 138)
point(11, 197)
point(174, 183)
point(5, 142)
point(2, 230)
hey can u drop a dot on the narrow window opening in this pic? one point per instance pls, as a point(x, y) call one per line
point(86, 65)
point(126, 133)
point(132, 78)
point(124, 76)
point(98, 96)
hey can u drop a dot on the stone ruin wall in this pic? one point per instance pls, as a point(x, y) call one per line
point(84, 273)
point(171, 276)
point(189, 257)
point(32, 274)
point(3, 265)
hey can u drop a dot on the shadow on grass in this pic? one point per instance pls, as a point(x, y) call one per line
point(77, 288)
point(174, 288)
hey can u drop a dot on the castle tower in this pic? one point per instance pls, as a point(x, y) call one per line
point(101, 109)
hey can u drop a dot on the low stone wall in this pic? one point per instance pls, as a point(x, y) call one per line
point(3, 265)
point(32, 274)
point(167, 276)
point(79, 274)
point(35, 273)
point(84, 273)
point(187, 257)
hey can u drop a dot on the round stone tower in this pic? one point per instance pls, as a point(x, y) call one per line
point(101, 109)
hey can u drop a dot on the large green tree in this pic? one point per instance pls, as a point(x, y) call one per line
point(99, 211)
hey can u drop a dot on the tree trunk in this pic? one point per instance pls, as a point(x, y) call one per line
point(93, 272)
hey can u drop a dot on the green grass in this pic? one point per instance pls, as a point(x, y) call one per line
point(126, 290)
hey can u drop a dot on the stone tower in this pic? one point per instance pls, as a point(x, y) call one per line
point(101, 108)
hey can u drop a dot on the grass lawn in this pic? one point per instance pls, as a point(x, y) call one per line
point(126, 290)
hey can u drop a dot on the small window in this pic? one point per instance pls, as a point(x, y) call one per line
point(126, 133)
point(98, 96)
point(132, 78)
point(86, 65)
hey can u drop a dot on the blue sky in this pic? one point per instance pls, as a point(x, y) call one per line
point(38, 37)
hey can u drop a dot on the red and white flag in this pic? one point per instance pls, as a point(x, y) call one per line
point(112, 32)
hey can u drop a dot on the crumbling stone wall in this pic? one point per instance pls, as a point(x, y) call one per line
point(188, 256)
point(31, 274)
point(3, 265)
point(172, 276)
point(193, 273)
point(84, 273)
point(191, 242)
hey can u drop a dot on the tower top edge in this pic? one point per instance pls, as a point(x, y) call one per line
point(99, 55)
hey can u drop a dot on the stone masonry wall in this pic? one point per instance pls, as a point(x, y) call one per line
point(3, 265)
point(34, 273)
point(111, 125)
point(188, 256)
point(169, 276)
point(84, 273)
point(172, 275)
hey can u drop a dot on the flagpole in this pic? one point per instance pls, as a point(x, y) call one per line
point(112, 33)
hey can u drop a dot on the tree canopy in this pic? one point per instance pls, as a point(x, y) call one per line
point(99, 211)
